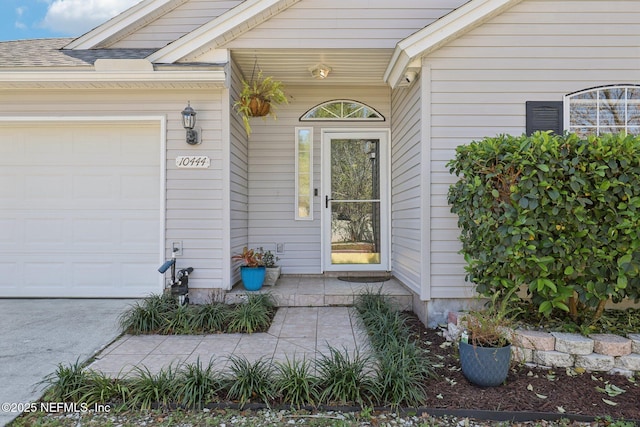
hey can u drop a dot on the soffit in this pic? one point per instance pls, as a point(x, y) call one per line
point(361, 67)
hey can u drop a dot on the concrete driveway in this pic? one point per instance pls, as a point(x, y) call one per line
point(38, 334)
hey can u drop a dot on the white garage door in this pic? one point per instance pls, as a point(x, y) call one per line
point(79, 209)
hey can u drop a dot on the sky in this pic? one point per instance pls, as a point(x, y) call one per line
point(34, 19)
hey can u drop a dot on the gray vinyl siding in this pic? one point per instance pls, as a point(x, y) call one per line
point(272, 173)
point(345, 24)
point(194, 208)
point(406, 184)
point(176, 23)
point(239, 177)
point(538, 50)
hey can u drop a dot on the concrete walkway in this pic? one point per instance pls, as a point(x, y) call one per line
point(38, 334)
point(295, 332)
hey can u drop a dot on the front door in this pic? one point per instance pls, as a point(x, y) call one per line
point(356, 202)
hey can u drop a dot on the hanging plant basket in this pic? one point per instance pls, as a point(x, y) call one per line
point(257, 106)
point(259, 98)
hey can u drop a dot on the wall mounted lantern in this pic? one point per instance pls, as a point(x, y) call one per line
point(189, 123)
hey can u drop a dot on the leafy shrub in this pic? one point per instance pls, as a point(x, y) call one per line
point(249, 380)
point(345, 379)
point(148, 316)
point(402, 368)
point(557, 215)
point(252, 316)
point(210, 317)
point(66, 383)
point(295, 383)
point(100, 388)
point(161, 314)
point(148, 389)
point(401, 374)
point(197, 384)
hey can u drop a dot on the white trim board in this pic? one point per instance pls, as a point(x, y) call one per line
point(448, 28)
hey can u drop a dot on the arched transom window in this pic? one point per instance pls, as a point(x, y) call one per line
point(605, 109)
point(342, 110)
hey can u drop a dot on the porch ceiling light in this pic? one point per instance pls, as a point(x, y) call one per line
point(189, 123)
point(320, 71)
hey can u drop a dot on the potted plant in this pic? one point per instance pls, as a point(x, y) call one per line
point(273, 270)
point(258, 99)
point(485, 343)
point(253, 270)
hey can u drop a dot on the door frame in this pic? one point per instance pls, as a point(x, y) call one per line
point(384, 135)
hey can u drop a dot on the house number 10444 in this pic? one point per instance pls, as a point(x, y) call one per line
point(193, 162)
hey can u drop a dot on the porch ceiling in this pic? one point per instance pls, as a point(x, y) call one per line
point(362, 67)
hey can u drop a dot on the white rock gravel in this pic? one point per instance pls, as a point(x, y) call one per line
point(279, 418)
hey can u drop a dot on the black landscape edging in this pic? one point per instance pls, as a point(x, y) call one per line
point(480, 414)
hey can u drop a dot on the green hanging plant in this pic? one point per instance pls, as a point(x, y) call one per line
point(258, 98)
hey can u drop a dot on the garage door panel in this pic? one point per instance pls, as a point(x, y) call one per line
point(93, 187)
point(45, 187)
point(137, 233)
point(44, 274)
point(132, 274)
point(10, 184)
point(46, 232)
point(9, 272)
point(9, 230)
point(91, 233)
point(92, 274)
point(46, 148)
point(79, 210)
point(136, 189)
point(100, 149)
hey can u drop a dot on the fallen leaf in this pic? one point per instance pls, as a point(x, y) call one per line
point(612, 390)
point(561, 409)
point(530, 387)
point(608, 402)
point(439, 396)
point(580, 370)
point(541, 396)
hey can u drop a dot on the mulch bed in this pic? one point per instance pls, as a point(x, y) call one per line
point(527, 388)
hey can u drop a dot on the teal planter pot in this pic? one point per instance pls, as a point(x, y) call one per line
point(252, 277)
point(485, 366)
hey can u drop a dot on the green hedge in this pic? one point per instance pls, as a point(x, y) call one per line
point(559, 215)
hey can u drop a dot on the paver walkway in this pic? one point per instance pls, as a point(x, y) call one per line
point(295, 332)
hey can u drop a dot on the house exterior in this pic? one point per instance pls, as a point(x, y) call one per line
point(97, 183)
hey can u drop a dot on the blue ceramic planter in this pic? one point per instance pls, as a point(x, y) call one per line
point(485, 366)
point(252, 277)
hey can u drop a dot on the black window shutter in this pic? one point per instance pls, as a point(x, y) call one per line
point(544, 115)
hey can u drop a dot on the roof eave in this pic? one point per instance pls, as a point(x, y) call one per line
point(66, 78)
point(237, 20)
point(120, 23)
point(439, 33)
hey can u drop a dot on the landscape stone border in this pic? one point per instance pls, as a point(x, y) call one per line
point(596, 353)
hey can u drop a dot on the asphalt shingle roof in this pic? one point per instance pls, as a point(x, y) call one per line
point(49, 53)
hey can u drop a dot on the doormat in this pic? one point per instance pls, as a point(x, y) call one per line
point(364, 279)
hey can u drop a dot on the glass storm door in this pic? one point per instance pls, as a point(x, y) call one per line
point(355, 218)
